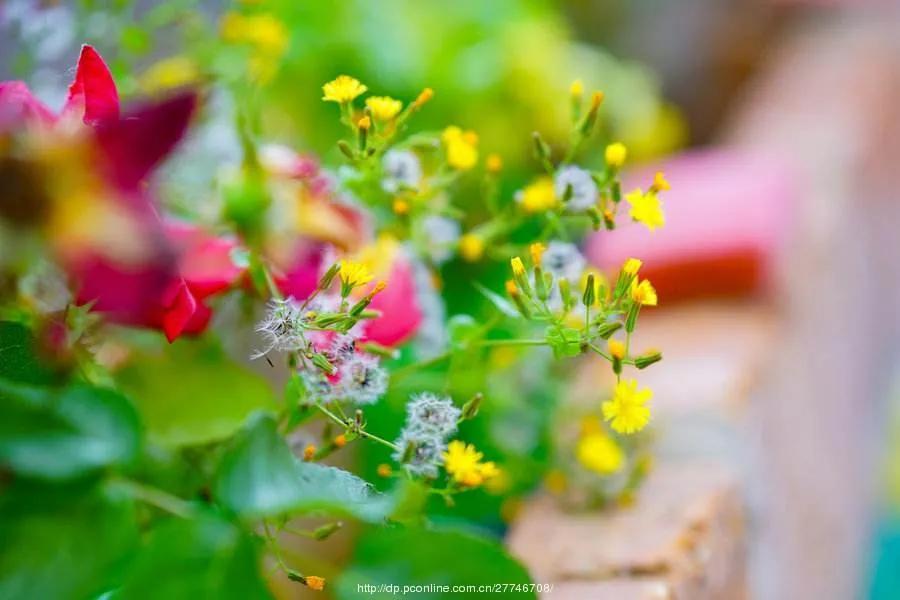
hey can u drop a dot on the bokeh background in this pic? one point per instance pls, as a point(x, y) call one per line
point(778, 123)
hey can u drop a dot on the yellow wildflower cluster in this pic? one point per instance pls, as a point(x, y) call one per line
point(354, 274)
point(463, 463)
point(627, 412)
point(615, 154)
point(461, 148)
point(646, 208)
point(643, 292)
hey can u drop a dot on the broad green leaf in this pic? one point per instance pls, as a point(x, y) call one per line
point(420, 557)
point(259, 476)
point(63, 433)
point(18, 360)
point(193, 394)
point(62, 542)
point(198, 558)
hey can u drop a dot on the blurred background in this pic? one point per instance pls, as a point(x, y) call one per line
point(778, 124)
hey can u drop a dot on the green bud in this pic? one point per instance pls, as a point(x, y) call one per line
point(596, 218)
point(631, 317)
point(645, 360)
point(607, 328)
point(616, 191)
point(325, 531)
point(565, 290)
point(540, 284)
point(589, 290)
point(470, 408)
point(329, 276)
point(346, 150)
point(542, 152)
point(322, 363)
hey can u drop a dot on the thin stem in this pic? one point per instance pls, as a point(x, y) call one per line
point(156, 497)
point(361, 432)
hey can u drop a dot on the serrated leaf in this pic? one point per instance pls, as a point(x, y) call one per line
point(64, 433)
point(18, 360)
point(193, 394)
point(565, 341)
point(259, 476)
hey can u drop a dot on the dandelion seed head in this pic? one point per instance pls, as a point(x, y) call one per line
point(282, 328)
point(402, 168)
point(563, 260)
point(584, 189)
point(426, 456)
point(432, 414)
point(362, 380)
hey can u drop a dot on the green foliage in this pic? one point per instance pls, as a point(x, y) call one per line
point(18, 360)
point(565, 341)
point(62, 542)
point(206, 557)
point(260, 477)
point(418, 557)
point(187, 406)
point(63, 433)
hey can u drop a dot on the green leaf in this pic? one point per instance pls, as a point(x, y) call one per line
point(18, 359)
point(501, 303)
point(200, 558)
point(59, 434)
point(462, 329)
point(259, 476)
point(422, 557)
point(193, 394)
point(62, 542)
point(565, 341)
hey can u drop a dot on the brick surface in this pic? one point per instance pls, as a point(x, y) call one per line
point(683, 538)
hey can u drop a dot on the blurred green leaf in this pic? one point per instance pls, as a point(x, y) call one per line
point(62, 542)
point(565, 341)
point(417, 556)
point(59, 434)
point(462, 329)
point(200, 558)
point(193, 394)
point(501, 303)
point(259, 476)
point(18, 359)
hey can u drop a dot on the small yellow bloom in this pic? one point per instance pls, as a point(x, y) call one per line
point(173, 72)
point(599, 453)
point(461, 148)
point(423, 97)
point(471, 247)
point(577, 88)
point(643, 293)
point(615, 154)
point(659, 183)
point(343, 89)
point(264, 31)
point(627, 411)
point(340, 441)
point(616, 348)
point(537, 253)
point(463, 463)
point(631, 266)
point(384, 108)
point(354, 274)
point(518, 267)
point(494, 163)
point(646, 209)
point(364, 123)
point(539, 196)
point(597, 100)
point(384, 470)
point(400, 207)
point(314, 582)
point(309, 452)
point(511, 287)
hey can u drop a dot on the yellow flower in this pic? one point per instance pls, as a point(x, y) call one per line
point(615, 154)
point(383, 108)
point(518, 267)
point(354, 274)
point(263, 31)
point(643, 293)
point(627, 411)
point(400, 206)
point(599, 453)
point(494, 163)
point(463, 463)
point(537, 252)
point(314, 582)
point(577, 88)
point(511, 287)
point(616, 348)
point(343, 89)
point(168, 73)
point(631, 266)
point(471, 247)
point(659, 183)
point(538, 196)
point(646, 209)
point(461, 148)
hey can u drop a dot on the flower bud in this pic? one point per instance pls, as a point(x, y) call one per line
point(606, 329)
point(325, 531)
point(645, 360)
point(589, 291)
point(470, 408)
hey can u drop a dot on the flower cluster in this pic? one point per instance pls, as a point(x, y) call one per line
point(430, 420)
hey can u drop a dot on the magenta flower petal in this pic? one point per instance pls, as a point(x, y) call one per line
point(179, 306)
point(134, 145)
point(18, 106)
point(401, 314)
point(205, 261)
point(93, 93)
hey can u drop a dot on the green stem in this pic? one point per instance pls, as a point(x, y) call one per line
point(362, 433)
point(156, 497)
